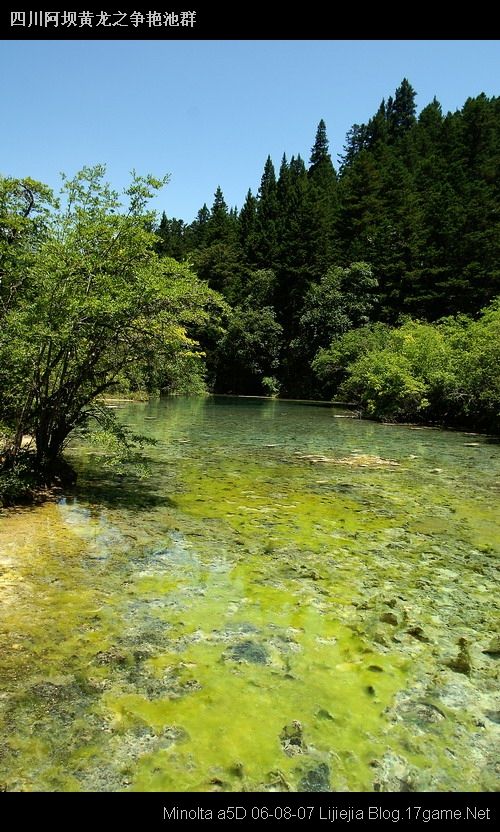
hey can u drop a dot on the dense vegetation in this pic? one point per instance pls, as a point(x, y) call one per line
point(86, 306)
point(374, 283)
point(408, 227)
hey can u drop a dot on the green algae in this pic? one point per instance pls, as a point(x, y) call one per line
point(162, 635)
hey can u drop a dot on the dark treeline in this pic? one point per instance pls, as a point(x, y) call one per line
point(407, 227)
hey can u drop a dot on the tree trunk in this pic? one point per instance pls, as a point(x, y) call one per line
point(49, 461)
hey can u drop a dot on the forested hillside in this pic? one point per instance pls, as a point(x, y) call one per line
point(407, 226)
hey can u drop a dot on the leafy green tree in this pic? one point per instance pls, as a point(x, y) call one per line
point(259, 289)
point(475, 399)
point(343, 299)
point(24, 212)
point(383, 383)
point(447, 372)
point(401, 374)
point(95, 300)
point(249, 351)
point(331, 364)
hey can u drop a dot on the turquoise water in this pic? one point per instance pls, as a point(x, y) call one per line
point(293, 600)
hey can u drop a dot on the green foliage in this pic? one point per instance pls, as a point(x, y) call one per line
point(24, 215)
point(259, 288)
point(221, 226)
point(95, 300)
point(400, 112)
point(118, 448)
point(247, 226)
point(249, 350)
point(446, 372)
point(19, 481)
point(331, 364)
point(172, 238)
point(477, 368)
point(386, 386)
point(220, 265)
point(416, 198)
point(265, 240)
point(343, 299)
point(271, 386)
point(322, 204)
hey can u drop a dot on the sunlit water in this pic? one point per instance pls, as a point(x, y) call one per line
point(291, 601)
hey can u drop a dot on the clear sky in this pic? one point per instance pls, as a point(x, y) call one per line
point(209, 112)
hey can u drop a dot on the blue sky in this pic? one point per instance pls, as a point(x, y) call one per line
point(209, 112)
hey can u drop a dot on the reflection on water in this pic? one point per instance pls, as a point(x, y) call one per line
point(292, 601)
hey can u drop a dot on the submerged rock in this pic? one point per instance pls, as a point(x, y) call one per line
point(292, 739)
point(389, 618)
point(394, 774)
point(248, 651)
point(361, 460)
point(307, 572)
point(112, 656)
point(175, 689)
point(418, 633)
point(174, 734)
point(324, 714)
point(462, 662)
point(316, 779)
point(51, 692)
point(493, 648)
point(421, 712)
point(366, 461)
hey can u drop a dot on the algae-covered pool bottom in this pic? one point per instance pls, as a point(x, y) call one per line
point(291, 601)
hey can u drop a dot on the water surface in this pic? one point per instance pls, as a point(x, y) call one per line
point(292, 601)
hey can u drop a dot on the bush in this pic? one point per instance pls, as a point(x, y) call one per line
point(19, 481)
point(384, 384)
point(447, 372)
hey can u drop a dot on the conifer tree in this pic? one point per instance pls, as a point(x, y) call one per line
point(323, 204)
point(247, 226)
point(198, 228)
point(319, 152)
point(401, 110)
point(220, 225)
point(266, 231)
point(172, 238)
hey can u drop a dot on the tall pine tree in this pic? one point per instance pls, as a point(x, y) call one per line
point(266, 225)
point(323, 204)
